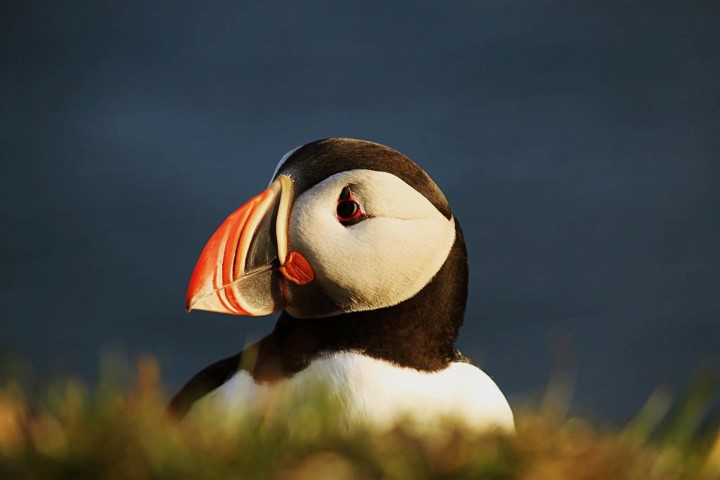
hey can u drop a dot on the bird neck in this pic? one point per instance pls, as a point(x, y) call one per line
point(418, 333)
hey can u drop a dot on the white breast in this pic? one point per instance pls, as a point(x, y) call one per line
point(377, 393)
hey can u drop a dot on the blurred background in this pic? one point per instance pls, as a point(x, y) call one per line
point(578, 143)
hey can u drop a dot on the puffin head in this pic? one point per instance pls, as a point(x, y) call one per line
point(345, 226)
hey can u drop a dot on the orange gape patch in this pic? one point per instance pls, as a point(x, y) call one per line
point(297, 269)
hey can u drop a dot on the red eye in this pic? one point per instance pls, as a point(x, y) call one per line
point(348, 210)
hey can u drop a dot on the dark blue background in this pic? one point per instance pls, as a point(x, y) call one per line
point(578, 143)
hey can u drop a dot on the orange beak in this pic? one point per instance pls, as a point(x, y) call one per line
point(244, 266)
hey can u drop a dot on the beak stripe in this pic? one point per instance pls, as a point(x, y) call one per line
point(281, 225)
point(261, 204)
point(217, 279)
point(229, 259)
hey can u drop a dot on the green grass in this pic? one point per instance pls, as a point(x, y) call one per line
point(69, 432)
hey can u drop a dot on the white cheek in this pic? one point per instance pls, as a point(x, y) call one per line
point(379, 261)
point(384, 261)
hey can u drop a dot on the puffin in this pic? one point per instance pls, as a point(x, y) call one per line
point(358, 248)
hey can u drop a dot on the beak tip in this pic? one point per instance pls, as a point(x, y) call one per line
point(189, 303)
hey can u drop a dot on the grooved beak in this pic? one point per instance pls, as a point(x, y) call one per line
point(238, 270)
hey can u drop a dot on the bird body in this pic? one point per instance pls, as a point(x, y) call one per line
point(359, 249)
point(375, 393)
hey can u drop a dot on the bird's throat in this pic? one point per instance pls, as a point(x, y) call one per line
point(418, 333)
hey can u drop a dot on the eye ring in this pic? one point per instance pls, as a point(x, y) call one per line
point(348, 210)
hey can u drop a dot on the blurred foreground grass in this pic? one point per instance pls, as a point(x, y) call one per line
point(118, 433)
